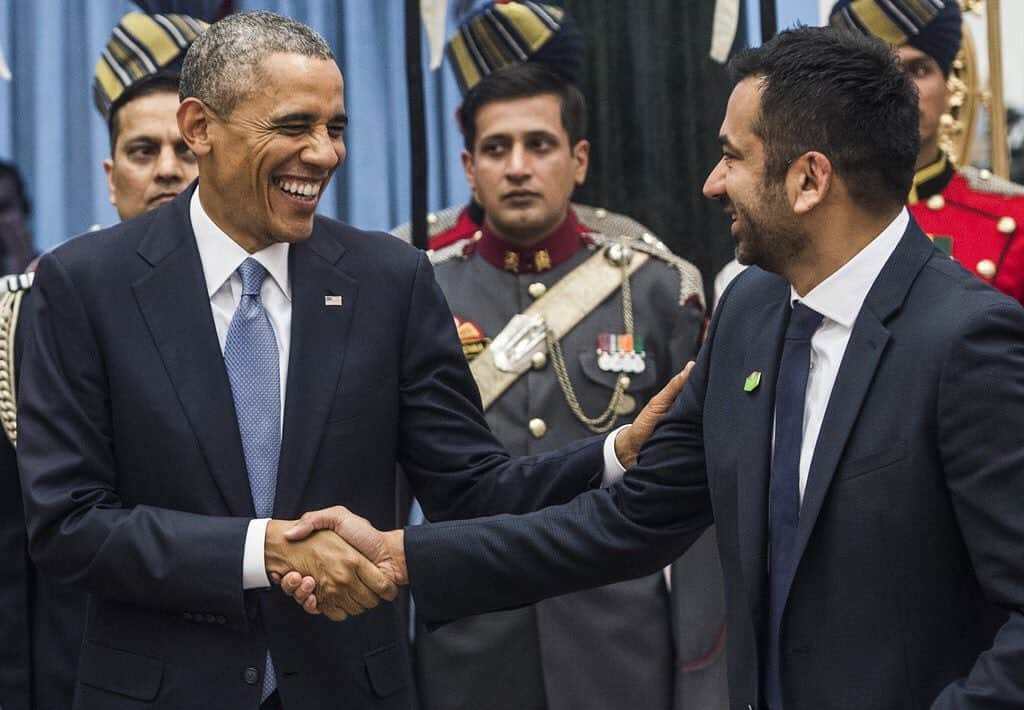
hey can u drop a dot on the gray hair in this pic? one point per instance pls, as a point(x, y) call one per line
point(223, 64)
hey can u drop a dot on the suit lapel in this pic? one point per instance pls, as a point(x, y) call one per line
point(175, 306)
point(864, 351)
point(319, 341)
point(754, 459)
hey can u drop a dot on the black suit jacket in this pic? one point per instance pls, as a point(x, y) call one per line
point(910, 583)
point(135, 483)
point(41, 620)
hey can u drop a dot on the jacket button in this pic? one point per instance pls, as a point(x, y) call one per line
point(222, 620)
point(251, 675)
point(538, 427)
point(187, 616)
point(986, 268)
point(210, 618)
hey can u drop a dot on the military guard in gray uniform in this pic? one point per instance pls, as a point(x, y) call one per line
point(571, 318)
point(136, 91)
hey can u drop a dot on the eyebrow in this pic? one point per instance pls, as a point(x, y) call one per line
point(726, 143)
point(306, 117)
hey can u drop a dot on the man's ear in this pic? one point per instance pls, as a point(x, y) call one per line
point(469, 168)
point(581, 153)
point(194, 124)
point(108, 168)
point(808, 181)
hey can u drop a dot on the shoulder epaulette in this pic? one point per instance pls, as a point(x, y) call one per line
point(12, 289)
point(607, 228)
point(437, 223)
point(12, 283)
point(985, 181)
point(454, 250)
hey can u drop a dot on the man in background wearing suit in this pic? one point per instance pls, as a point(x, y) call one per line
point(844, 427)
point(135, 88)
point(230, 356)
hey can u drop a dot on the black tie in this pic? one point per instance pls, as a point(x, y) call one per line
point(784, 488)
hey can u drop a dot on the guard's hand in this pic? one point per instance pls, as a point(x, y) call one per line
point(348, 583)
point(629, 440)
point(385, 549)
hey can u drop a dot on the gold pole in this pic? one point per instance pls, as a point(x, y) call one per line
point(997, 106)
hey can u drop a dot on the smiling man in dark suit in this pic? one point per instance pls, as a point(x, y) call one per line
point(228, 357)
point(851, 427)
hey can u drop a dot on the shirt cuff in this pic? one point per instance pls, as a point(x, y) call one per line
point(254, 564)
point(613, 470)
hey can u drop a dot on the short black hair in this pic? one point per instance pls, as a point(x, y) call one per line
point(8, 169)
point(524, 81)
point(159, 83)
point(844, 95)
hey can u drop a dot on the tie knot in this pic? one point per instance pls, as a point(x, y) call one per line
point(803, 322)
point(252, 274)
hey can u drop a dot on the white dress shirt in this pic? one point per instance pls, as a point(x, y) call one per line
point(221, 256)
point(839, 298)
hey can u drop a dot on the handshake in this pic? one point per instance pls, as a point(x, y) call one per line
point(334, 562)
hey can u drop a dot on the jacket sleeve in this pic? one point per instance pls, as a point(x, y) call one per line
point(983, 465)
point(79, 530)
point(15, 585)
point(633, 528)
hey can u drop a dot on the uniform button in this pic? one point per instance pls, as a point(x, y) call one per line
point(251, 675)
point(210, 618)
point(187, 616)
point(936, 202)
point(537, 289)
point(1007, 225)
point(600, 213)
point(538, 427)
point(222, 620)
point(985, 174)
point(431, 218)
point(539, 360)
point(648, 239)
point(986, 268)
point(477, 234)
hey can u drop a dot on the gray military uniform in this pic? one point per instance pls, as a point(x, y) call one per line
point(611, 648)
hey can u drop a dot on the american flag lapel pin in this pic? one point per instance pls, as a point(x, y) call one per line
point(335, 301)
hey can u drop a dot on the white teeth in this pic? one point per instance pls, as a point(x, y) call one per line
point(300, 189)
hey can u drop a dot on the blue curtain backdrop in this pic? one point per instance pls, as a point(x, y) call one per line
point(50, 129)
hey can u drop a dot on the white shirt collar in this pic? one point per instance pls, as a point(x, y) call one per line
point(839, 297)
point(221, 255)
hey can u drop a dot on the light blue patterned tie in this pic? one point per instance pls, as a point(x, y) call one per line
point(253, 365)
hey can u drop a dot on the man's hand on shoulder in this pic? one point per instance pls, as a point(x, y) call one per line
point(385, 551)
point(629, 441)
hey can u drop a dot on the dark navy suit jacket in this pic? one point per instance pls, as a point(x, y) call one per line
point(40, 620)
point(135, 483)
point(910, 584)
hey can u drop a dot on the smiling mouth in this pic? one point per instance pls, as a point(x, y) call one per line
point(301, 190)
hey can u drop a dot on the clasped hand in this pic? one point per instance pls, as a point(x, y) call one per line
point(334, 562)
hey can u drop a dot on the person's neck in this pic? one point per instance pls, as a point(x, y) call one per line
point(523, 240)
point(927, 155)
point(835, 240)
point(210, 203)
